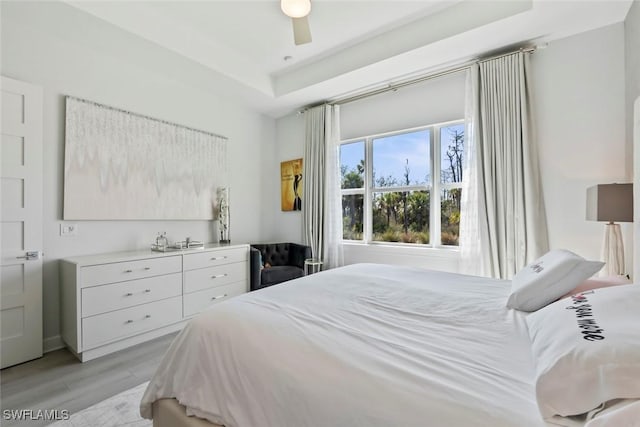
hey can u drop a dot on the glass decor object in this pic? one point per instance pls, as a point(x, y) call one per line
point(223, 214)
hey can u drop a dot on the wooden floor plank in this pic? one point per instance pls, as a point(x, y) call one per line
point(59, 381)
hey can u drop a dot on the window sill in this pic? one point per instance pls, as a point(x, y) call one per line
point(407, 249)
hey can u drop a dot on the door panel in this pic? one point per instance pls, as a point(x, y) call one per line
point(20, 222)
point(11, 280)
point(12, 151)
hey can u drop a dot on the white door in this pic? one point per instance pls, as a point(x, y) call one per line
point(21, 222)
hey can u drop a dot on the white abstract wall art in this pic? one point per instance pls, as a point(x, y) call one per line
point(125, 166)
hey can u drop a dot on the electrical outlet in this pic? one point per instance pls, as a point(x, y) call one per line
point(68, 230)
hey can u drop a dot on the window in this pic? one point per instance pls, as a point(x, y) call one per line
point(388, 190)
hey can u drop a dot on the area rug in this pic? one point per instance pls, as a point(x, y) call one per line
point(123, 409)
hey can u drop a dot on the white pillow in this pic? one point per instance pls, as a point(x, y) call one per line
point(586, 350)
point(548, 278)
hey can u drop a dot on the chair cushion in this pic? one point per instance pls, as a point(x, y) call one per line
point(280, 273)
point(274, 253)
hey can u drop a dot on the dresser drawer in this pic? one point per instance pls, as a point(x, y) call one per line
point(195, 302)
point(213, 258)
point(129, 270)
point(100, 329)
point(204, 278)
point(115, 296)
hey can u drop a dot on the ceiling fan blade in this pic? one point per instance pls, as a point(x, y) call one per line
point(301, 30)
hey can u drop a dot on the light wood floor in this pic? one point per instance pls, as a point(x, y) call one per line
point(59, 381)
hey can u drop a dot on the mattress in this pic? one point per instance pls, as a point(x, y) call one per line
point(363, 345)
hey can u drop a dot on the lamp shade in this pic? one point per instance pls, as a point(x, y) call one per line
point(610, 202)
point(295, 8)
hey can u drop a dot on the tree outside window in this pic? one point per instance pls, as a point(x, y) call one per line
point(452, 150)
point(352, 184)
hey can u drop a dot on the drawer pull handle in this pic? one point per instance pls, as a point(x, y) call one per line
point(147, 268)
point(128, 271)
point(146, 291)
point(128, 294)
point(218, 297)
point(219, 276)
point(129, 321)
point(217, 258)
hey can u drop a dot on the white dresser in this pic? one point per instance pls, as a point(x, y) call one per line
point(113, 301)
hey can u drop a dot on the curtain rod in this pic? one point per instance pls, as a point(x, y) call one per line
point(396, 86)
point(97, 104)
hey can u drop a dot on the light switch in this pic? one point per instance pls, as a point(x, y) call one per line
point(68, 230)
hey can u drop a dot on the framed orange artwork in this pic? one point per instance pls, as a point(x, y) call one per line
point(291, 185)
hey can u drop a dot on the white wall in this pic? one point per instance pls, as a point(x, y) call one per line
point(68, 52)
point(632, 71)
point(632, 74)
point(578, 90)
point(435, 259)
point(283, 226)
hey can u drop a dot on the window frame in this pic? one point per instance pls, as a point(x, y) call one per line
point(434, 187)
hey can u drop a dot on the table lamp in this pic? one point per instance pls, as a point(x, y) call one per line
point(611, 203)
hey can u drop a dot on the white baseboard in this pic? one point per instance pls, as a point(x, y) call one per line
point(52, 343)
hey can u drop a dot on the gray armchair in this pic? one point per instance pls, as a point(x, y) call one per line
point(285, 260)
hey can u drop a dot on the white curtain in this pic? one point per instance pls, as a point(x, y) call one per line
point(503, 224)
point(321, 203)
point(473, 224)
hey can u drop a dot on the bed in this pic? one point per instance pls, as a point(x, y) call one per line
point(362, 345)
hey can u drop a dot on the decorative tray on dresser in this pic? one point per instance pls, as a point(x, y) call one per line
point(113, 301)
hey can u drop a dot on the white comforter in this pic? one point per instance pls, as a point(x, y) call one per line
point(364, 345)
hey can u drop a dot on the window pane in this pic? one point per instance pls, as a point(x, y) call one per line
point(451, 149)
point(402, 159)
point(352, 216)
point(450, 216)
point(352, 164)
point(401, 217)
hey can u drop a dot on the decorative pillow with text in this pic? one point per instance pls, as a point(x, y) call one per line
point(586, 350)
point(548, 278)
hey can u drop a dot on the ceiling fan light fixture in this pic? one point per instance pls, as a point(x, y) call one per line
point(295, 8)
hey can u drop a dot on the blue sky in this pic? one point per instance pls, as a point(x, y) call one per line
point(390, 154)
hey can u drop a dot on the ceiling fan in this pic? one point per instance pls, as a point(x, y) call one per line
point(298, 11)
